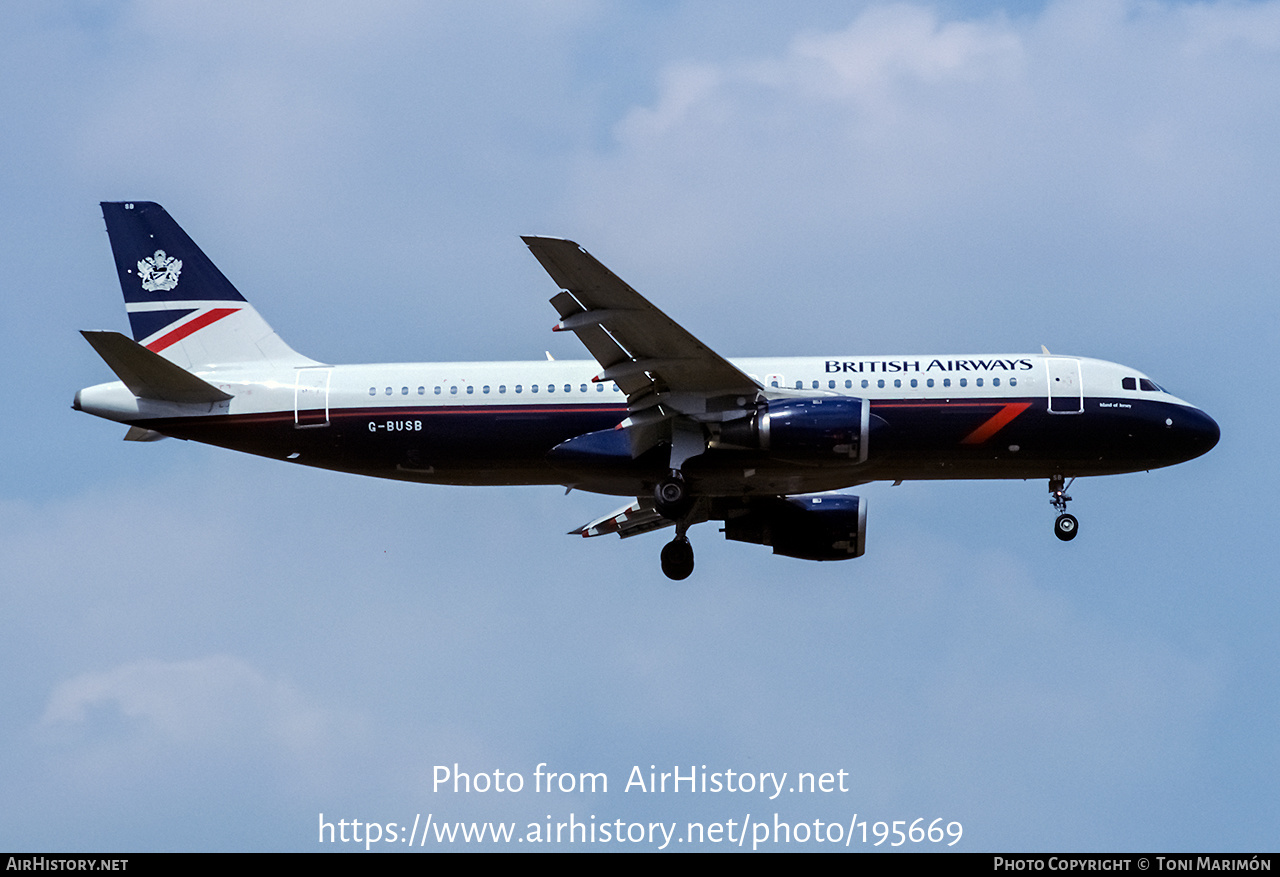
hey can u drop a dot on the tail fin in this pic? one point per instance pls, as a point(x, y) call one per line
point(180, 305)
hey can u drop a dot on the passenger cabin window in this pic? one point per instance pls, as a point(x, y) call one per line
point(388, 391)
point(599, 388)
point(373, 391)
point(865, 383)
point(470, 390)
point(502, 388)
point(437, 391)
point(422, 391)
point(964, 382)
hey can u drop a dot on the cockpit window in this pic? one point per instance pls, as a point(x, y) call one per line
point(1149, 385)
point(1129, 383)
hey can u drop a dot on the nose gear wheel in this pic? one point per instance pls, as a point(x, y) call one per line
point(1066, 526)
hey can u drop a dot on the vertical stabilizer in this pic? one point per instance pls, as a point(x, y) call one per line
point(180, 305)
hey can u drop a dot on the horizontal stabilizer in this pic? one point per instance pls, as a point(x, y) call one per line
point(149, 375)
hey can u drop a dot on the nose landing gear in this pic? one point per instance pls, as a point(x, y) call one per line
point(1066, 526)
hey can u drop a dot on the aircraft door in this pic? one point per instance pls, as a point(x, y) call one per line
point(311, 398)
point(1066, 390)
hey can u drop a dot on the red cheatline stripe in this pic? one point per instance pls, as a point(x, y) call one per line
point(997, 422)
point(186, 329)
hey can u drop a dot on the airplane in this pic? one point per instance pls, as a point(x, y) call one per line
point(656, 416)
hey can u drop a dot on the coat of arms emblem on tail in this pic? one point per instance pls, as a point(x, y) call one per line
point(159, 272)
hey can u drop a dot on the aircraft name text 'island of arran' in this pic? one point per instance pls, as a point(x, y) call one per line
point(657, 417)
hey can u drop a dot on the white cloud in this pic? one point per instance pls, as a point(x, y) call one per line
point(907, 44)
point(1232, 27)
point(1081, 146)
point(684, 88)
point(211, 699)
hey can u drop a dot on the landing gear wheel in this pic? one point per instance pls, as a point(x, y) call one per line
point(671, 498)
point(1066, 527)
point(677, 559)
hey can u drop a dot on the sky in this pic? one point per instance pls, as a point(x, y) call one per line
point(206, 651)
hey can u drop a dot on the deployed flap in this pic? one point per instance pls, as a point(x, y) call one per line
point(639, 517)
point(140, 434)
point(638, 346)
point(149, 375)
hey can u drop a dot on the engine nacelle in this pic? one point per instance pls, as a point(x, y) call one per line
point(828, 527)
point(826, 429)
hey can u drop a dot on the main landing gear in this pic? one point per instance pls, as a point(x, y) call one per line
point(672, 500)
point(671, 496)
point(677, 558)
point(1066, 526)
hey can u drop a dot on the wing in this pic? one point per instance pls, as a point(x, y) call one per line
point(639, 517)
point(638, 346)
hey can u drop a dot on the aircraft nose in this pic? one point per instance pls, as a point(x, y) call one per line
point(1197, 432)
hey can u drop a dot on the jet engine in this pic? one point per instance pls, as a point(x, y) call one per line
point(827, 527)
point(815, 430)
